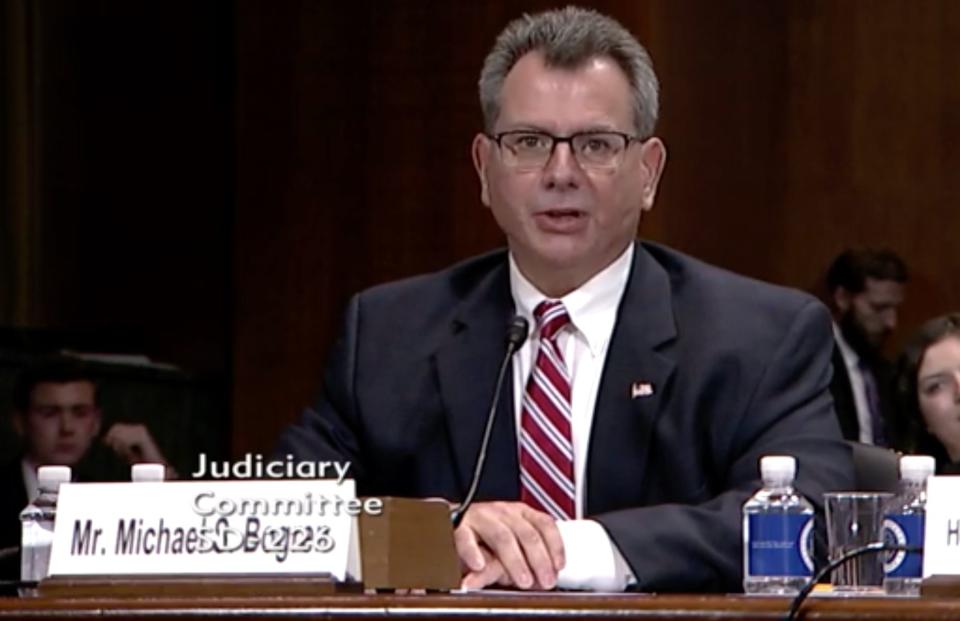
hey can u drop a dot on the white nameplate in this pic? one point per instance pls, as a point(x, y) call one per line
point(206, 527)
point(941, 539)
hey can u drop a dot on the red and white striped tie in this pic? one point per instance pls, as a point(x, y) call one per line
point(546, 437)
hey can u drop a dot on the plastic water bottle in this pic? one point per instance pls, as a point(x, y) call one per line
point(777, 532)
point(37, 521)
point(903, 524)
point(147, 473)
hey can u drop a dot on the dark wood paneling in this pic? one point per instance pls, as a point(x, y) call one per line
point(793, 130)
point(354, 130)
point(873, 127)
point(17, 257)
point(355, 123)
point(133, 138)
point(724, 90)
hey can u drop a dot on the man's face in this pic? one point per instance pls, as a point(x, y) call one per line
point(873, 311)
point(564, 222)
point(61, 423)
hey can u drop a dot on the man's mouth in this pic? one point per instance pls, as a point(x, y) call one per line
point(561, 213)
point(561, 221)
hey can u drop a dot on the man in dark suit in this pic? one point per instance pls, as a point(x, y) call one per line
point(866, 289)
point(57, 415)
point(629, 431)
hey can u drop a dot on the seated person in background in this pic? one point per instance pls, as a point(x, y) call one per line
point(866, 288)
point(57, 416)
point(929, 391)
point(632, 420)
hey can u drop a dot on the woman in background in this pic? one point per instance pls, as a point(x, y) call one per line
point(929, 390)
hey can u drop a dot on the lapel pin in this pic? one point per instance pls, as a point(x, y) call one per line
point(641, 389)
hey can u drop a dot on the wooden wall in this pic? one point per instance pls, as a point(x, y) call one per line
point(793, 129)
point(222, 176)
point(122, 187)
point(872, 143)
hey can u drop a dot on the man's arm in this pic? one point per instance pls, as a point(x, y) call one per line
point(676, 547)
point(133, 443)
point(328, 431)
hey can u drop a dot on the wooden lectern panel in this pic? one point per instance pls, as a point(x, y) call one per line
point(409, 546)
point(478, 607)
point(245, 585)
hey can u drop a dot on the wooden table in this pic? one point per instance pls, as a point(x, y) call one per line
point(487, 606)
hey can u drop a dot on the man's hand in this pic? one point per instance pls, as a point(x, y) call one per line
point(509, 543)
point(492, 573)
point(134, 443)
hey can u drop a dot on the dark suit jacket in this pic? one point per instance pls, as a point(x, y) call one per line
point(846, 407)
point(13, 498)
point(740, 369)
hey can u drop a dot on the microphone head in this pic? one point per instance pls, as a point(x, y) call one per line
point(517, 330)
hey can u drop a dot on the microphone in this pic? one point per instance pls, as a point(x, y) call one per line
point(516, 334)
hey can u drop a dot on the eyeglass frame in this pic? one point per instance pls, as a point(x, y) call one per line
point(628, 139)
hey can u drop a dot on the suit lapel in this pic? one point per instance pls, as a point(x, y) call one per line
point(467, 363)
point(635, 377)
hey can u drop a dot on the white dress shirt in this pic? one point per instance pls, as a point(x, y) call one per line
point(852, 362)
point(592, 559)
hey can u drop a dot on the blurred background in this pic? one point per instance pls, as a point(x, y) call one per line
point(205, 183)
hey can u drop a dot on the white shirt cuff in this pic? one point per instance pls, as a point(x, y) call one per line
point(593, 562)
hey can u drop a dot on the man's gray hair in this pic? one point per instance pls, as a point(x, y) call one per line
point(568, 38)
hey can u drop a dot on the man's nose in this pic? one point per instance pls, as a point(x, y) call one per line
point(67, 423)
point(562, 169)
point(890, 320)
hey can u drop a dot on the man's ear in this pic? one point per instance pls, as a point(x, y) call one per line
point(842, 299)
point(653, 158)
point(480, 151)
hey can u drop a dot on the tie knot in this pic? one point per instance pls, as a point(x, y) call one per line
point(551, 316)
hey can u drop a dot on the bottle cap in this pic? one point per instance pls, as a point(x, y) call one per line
point(143, 473)
point(917, 467)
point(50, 477)
point(780, 468)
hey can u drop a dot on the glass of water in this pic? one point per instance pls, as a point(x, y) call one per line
point(855, 519)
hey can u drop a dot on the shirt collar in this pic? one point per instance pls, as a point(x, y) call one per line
point(850, 357)
point(592, 307)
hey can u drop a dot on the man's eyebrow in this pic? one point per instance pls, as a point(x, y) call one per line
point(525, 127)
point(587, 129)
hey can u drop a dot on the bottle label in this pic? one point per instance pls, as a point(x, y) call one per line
point(780, 545)
point(906, 530)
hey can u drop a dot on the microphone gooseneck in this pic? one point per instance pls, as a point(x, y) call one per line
point(517, 329)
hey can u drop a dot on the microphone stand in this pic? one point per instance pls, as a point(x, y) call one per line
point(516, 335)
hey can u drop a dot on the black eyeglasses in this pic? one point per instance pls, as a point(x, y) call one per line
point(531, 150)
